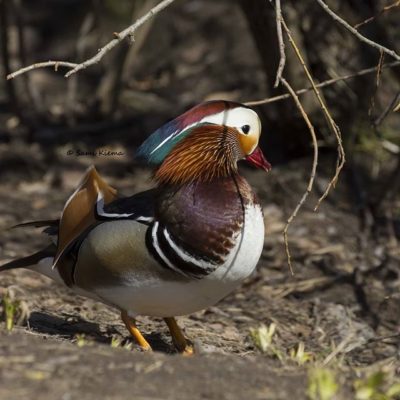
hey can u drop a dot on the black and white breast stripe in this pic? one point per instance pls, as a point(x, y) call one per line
point(166, 250)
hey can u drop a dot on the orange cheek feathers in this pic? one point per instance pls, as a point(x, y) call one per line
point(248, 143)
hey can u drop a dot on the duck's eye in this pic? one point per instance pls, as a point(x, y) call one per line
point(245, 129)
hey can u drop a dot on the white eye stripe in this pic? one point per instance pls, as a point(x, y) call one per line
point(235, 117)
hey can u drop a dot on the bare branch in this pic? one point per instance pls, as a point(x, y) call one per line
point(397, 108)
point(282, 60)
point(335, 129)
point(119, 37)
point(381, 12)
point(377, 83)
point(357, 34)
point(313, 169)
point(128, 32)
point(328, 82)
point(386, 144)
point(55, 64)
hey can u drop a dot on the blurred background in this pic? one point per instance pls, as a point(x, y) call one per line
point(346, 256)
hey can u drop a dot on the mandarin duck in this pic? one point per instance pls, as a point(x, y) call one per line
point(172, 250)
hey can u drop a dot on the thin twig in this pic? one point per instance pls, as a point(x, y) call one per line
point(381, 12)
point(313, 169)
point(128, 32)
point(377, 83)
point(119, 37)
point(328, 82)
point(341, 155)
point(381, 338)
point(388, 109)
point(282, 59)
point(357, 34)
point(339, 349)
point(55, 64)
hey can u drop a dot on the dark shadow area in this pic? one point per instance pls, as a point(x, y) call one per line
point(67, 327)
point(71, 326)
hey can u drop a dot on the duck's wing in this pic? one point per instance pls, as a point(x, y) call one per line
point(139, 207)
point(78, 214)
point(94, 202)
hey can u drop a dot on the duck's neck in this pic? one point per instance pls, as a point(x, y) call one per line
point(207, 216)
point(202, 156)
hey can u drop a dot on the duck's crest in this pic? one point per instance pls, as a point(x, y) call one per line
point(159, 144)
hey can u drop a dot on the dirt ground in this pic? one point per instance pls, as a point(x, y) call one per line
point(341, 304)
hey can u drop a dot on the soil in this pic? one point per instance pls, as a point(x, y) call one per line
point(342, 302)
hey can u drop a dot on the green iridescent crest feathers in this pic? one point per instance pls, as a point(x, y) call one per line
point(159, 144)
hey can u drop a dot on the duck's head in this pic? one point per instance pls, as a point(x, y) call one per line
point(204, 143)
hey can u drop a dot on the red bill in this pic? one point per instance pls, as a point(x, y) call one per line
point(258, 159)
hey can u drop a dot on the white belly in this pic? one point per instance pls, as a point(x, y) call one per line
point(149, 295)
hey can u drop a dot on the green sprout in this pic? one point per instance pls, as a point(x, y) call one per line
point(80, 340)
point(300, 356)
point(321, 384)
point(374, 388)
point(118, 342)
point(11, 309)
point(263, 337)
point(393, 392)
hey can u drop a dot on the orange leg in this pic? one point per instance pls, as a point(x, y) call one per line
point(134, 331)
point(178, 338)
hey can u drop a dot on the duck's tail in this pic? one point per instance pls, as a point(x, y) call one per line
point(37, 261)
point(29, 261)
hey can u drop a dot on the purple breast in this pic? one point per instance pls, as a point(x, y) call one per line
point(204, 219)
